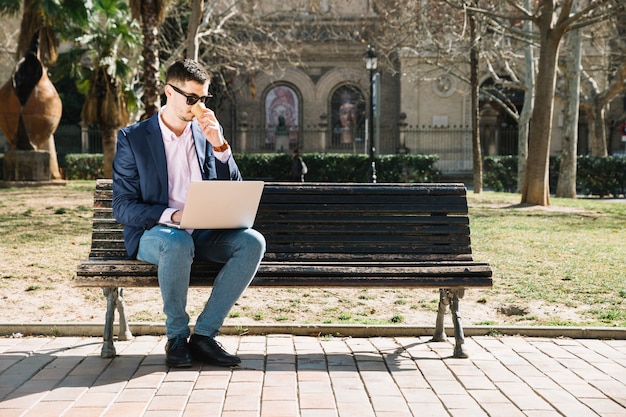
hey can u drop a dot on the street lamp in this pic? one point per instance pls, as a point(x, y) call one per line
point(371, 62)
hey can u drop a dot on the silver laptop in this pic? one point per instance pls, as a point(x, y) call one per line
point(220, 205)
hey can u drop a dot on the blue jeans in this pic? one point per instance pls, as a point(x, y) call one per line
point(173, 251)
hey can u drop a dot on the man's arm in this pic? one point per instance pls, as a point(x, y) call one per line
point(135, 202)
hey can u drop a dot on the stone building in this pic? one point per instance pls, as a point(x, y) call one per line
point(325, 99)
point(421, 108)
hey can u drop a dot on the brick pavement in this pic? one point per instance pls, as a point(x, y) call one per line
point(300, 376)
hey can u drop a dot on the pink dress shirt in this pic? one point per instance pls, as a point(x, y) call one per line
point(182, 166)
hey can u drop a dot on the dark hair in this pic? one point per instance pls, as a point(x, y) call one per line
point(187, 70)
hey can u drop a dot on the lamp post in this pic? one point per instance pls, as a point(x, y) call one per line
point(371, 62)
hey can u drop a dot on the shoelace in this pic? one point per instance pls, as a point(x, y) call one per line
point(220, 346)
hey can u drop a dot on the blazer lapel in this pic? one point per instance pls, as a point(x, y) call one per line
point(205, 159)
point(155, 139)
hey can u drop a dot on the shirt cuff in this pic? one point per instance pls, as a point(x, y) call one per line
point(166, 216)
point(223, 156)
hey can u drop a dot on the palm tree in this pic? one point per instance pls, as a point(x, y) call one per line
point(151, 14)
point(101, 62)
point(47, 17)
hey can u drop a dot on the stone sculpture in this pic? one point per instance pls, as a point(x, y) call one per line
point(30, 112)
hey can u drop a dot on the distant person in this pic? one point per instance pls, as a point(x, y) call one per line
point(298, 167)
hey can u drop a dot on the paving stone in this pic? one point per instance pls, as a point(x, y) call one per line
point(285, 375)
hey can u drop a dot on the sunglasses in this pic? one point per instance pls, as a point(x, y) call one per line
point(192, 98)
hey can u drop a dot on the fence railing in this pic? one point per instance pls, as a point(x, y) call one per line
point(70, 138)
point(453, 145)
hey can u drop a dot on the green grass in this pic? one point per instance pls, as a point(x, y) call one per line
point(571, 253)
point(568, 256)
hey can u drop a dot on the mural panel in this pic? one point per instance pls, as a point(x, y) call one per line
point(348, 117)
point(281, 118)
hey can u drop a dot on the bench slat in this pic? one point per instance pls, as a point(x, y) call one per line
point(392, 274)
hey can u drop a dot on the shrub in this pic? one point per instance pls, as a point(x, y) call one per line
point(82, 166)
point(601, 176)
point(341, 167)
point(500, 173)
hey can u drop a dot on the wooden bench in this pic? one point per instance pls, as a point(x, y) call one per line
point(322, 235)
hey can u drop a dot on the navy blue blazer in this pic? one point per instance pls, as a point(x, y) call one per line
point(140, 176)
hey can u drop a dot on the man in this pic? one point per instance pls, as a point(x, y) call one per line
point(155, 161)
point(298, 167)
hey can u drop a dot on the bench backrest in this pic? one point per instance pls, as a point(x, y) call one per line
point(337, 222)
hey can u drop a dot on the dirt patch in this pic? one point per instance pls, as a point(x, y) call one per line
point(46, 232)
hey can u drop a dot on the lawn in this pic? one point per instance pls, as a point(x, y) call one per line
point(557, 265)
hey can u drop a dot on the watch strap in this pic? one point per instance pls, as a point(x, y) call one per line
point(221, 148)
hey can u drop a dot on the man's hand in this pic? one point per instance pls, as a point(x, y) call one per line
point(177, 216)
point(209, 124)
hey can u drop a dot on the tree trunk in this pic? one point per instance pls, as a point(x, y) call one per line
point(566, 186)
point(192, 33)
point(476, 150)
point(152, 85)
point(529, 103)
point(536, 188)
point(598, 139)
point(109, 142)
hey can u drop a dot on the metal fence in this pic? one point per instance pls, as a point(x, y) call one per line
point(71, 138)
point(453, 145)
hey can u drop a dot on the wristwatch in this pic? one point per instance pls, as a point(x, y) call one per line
point(221, 148)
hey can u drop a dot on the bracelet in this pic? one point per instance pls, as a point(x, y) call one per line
point(221, 148)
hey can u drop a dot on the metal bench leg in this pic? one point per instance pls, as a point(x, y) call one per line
point(440, 334)
point(108, 348)
point(456, 320)
point(124, 333)
point(450, 297)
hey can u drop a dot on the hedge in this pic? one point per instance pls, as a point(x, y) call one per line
point(277, 167)
point(595, 175)
point(600, 176)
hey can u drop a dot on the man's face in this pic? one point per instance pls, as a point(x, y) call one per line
point(180, 94)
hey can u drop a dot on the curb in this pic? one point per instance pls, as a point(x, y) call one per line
point(158, 329)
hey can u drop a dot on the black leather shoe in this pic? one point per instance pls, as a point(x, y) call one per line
point(207, 350)
point(177, 353)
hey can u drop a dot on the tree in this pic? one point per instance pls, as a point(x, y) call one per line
point(151, 14)
point(603, 82)
point(529, 102)
point(552, 22)
point(552, 19)
point(566, 186)
point(475, 89)
point(102, 63)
